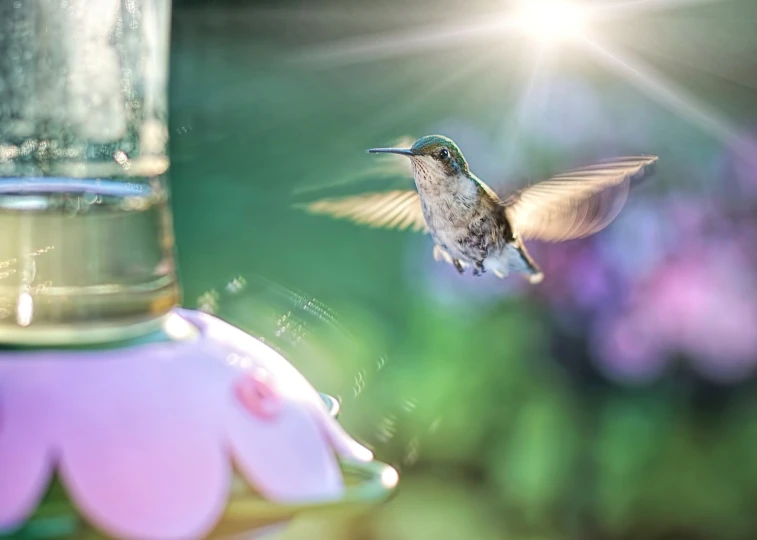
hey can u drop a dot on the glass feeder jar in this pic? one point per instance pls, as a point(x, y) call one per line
point(87, 251)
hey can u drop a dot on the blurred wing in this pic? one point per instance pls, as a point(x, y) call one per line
point(391, 210)
point(578, 203)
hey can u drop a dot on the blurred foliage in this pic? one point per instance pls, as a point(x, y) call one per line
point(608, 403)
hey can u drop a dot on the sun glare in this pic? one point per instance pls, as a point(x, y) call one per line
point(551, 20)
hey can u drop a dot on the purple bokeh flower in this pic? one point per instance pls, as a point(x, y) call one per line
point(672, 277)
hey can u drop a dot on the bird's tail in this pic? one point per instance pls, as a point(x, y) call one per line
point(515, 258)
point(533, 273)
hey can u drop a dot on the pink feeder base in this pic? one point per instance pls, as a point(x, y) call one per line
point(145, 438)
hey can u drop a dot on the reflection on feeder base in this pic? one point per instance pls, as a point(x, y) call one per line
point(84, 261)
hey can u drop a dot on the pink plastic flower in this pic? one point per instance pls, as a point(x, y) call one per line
point(144, 438)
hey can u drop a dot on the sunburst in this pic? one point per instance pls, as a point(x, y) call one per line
point(544, 25)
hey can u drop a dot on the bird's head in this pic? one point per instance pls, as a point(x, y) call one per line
point(435, 154)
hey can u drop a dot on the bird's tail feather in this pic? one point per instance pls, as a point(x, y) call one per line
point(533, 272)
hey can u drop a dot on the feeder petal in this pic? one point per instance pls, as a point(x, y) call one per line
point(141, 451)
point(287, 460)
point(26, 434)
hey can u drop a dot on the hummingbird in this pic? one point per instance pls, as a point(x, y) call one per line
point(473, 226)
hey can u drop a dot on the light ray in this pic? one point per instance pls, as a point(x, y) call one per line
point(382, 168)
point(631, 6)
point(524, 99)
point(462, 72)
point(435, 37)
point(665, 92)
point(508, 137)
point(716, 71)
point(398, 167)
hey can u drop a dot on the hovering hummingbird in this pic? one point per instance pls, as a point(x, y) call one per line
point(471, 225)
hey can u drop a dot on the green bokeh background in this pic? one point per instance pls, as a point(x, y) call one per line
point(501, 427)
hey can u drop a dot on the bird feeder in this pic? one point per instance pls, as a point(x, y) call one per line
point(121, 414)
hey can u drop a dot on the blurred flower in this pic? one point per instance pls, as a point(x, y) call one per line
point(702, 305)
point(671, 277)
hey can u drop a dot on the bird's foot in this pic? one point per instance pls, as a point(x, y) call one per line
point(441, 255)
point(478, 269)
point(458, 266)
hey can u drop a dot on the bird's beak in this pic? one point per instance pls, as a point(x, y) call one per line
point(400, 151)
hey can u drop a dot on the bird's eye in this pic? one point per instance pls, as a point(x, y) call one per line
point(444, 153)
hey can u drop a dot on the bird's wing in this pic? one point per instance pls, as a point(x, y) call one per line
point(399, 209)
point(577, 203)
